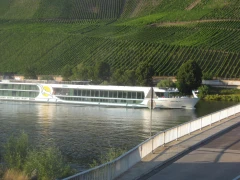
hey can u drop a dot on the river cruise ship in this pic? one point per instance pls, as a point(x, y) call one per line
point(114, 96)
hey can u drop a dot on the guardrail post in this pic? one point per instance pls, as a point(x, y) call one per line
point(201, 125)
point(211, 121)
point(152, 144)
point(219, 116)
point(177, 134)
point(163, 138)
point(189, 133)
point(141, 151)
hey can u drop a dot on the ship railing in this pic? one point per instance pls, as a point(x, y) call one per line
point(47, 81)
point(118, 166)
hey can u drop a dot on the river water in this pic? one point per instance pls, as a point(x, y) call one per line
point(84, 133)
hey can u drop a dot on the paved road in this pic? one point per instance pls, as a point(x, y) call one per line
point(218, 159)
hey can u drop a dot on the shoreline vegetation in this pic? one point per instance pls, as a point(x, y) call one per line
point(20, 161)
point(209, 93)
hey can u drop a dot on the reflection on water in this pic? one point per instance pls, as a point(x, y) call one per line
point(83, 133)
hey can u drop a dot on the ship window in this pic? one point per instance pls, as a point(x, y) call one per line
point(5, 93)
point(159, 94)
point(15, 86)
point(75, 92)
point(9, 86)
point(84, 92)
point(32, 87)
point(31, 94)
point(96, 93)
point(166, 94)
point(92, 93)
point(9, 93)
point(115, 94)
point(139, 95)
point(105, 93)
point(110, 94)
point(120, 94)
point(70, 92)
point(79, 92)
point(1, 93)
point(88, 92)
point(26, 94)
point(124, 94)
point(129, 95)
point(134, 95)
point(4, 86)
point(101, 93)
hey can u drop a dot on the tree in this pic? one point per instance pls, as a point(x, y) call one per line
point(123, 77)
point(80, 72)
point(130, 78)
point(189, 77)
point(46, 77)
point(144, 73)
point(66, 72)
point(8, 75)
point(117, 77)
point(207, 76)
point(30, 73)
point(166, 83)
point(102, 71)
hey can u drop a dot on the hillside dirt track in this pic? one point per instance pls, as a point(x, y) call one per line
point(182, 23)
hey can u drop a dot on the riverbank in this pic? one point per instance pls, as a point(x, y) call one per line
point(222, 94)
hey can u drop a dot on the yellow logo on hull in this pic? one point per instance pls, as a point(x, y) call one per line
point(46, 91)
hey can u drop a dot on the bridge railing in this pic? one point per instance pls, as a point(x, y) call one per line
point(118, 166)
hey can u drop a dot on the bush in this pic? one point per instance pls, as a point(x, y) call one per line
point(14, 175)
point(45, 164)
point(203, 91)
point(235, 98)
point(15, 151)
point(216, 97)
point(48, 164)
point(109, 156)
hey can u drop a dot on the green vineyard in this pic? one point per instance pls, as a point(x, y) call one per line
point(166, 33)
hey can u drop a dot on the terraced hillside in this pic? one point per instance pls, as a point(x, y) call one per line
point(50, 34)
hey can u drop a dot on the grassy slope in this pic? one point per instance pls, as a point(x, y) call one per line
point(166, 33)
